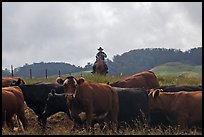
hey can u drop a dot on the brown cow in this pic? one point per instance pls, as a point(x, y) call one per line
point(182, 108)
point(7, 81)
point(13, 103)
point(95, 99)
point(146, 79)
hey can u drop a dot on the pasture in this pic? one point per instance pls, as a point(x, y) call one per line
point(60, 124)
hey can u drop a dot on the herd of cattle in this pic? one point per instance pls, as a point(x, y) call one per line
point(137, 97)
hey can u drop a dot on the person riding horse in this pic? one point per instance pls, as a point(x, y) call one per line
point(101, 55)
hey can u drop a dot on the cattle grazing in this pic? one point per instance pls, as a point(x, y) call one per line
point(7, 81)
point(133, 105)
point(91, 98)
point(182, 108)
point(146, 80)
point(35, 96)
point(13, 103)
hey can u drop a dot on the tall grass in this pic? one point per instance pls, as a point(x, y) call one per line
point(179, 80)
point(88, 78)
point(190, 80)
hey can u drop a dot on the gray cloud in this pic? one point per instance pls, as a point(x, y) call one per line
point(72, 32)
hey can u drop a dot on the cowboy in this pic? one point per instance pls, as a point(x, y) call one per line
point(102, 55)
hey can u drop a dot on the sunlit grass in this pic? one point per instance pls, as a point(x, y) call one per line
point(179, 80)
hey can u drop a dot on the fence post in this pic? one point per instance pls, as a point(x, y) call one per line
point(59, 73)
point(30, 73)
point(46, 73)
point(11, 70)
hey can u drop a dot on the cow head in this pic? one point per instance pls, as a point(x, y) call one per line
point(70, 84)
point(49, 102)
point(55, 103)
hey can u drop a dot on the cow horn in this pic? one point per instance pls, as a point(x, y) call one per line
point(156, 93)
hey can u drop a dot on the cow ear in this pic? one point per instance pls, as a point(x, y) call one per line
point(18, 82)
point(53, 92)
point(22, 81)
point(59, 80)
point(81, 80)
point(108, 83)
point(155, 94)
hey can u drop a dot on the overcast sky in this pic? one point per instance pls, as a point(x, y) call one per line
point(72, 32)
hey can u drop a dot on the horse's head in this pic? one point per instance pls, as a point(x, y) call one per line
point(99, 60)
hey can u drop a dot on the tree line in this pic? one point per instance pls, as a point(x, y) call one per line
point(139, 60)
point(127, 63)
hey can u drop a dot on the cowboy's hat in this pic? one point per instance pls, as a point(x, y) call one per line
point(100, 48)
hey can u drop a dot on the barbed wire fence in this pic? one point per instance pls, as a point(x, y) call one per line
point(11, 70)
point(30, 73)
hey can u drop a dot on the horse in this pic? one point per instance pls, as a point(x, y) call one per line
point(100, 67)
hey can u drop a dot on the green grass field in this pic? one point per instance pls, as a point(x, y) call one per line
point(60, 124)
point(178, 69)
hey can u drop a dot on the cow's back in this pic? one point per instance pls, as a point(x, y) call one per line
point(146, 79)
point(6, 81)
point(35, 95)
point(17, 92)
point(173, 88)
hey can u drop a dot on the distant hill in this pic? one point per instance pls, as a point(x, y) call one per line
point(128, 63)
point(39, 69)
point(178, 69)
point(139, 60)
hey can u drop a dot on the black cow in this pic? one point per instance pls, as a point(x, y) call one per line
point(133, 104)
point(132, 101)
point(35, 96)
point(55, 103)
point(174, 88)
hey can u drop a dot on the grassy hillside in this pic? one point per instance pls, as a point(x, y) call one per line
point(178, 69)
point(176, 73)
